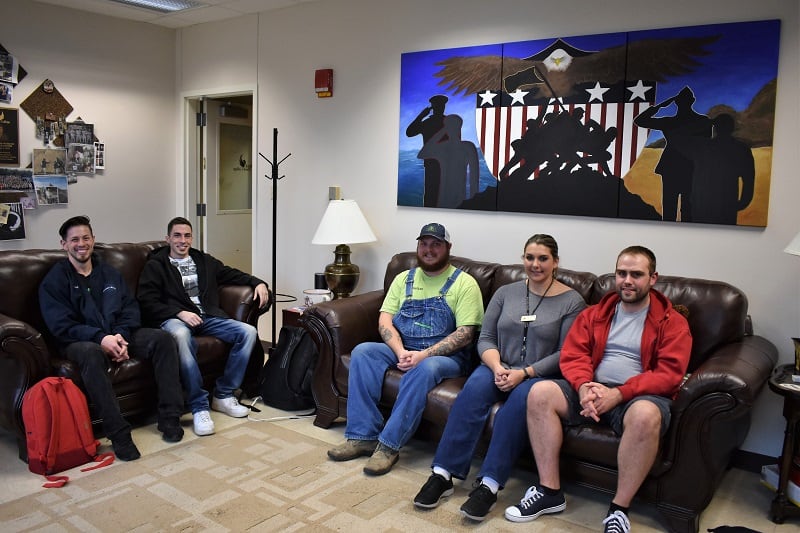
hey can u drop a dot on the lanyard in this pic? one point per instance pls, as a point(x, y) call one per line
point(530, 315)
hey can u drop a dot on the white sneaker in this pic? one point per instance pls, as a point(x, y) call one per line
point(203, 425)
point(230, 406)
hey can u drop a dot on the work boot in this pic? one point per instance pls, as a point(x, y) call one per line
point(352, 449)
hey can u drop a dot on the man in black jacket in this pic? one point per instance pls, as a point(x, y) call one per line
point(178, 291)
point(90, 311)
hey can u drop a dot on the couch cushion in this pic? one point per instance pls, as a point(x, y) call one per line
point(21, 272)
point(582, 282)
point(483, 272)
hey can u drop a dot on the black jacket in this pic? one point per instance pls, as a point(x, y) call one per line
point(162, 296)
point(72, 310)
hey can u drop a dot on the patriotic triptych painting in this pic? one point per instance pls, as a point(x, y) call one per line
point(671, 124)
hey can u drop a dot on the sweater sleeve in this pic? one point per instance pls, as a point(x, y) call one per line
point(549, 365)
point(488, 337)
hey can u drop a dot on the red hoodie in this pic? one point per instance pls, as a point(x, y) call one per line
point(666, 347)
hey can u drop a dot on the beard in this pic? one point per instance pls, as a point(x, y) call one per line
point(632, 299)
point(427, 266)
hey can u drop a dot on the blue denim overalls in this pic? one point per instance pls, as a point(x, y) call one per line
point(421, 323)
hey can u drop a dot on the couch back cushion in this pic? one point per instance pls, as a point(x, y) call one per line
point(717, 310)
point(21, 272)
point(582, 282)
point(128, 258)
point(482, 272)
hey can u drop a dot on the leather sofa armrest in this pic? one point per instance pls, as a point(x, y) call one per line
point(711, 417)
point(739, 368)
point(348, 321)
point(336, 327)
point(24, 360)
point(237, 301)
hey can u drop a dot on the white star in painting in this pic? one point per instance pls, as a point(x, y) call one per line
point(487, 97)
point(597, 92)
point(518, 97)
point(638, 90)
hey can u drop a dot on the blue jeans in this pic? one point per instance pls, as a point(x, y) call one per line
point(241, 336)
point(467, 419)
point(368, 364)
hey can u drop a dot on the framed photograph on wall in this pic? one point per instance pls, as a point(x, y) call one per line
point(80, 158)
point(12, 222)
point(49, 161)
point(79, 132)
point(51, 190)
point(9, 136)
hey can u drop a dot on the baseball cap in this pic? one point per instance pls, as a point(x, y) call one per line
point(434, 230)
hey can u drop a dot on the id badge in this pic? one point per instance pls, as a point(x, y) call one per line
point(528, 318)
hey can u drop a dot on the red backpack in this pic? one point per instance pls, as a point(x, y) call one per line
point(58, 430)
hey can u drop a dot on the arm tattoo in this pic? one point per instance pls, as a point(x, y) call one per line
point(386, 333)
point(457, 340)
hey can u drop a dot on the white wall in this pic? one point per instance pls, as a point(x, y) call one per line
point(120, 76)
point(351, 140)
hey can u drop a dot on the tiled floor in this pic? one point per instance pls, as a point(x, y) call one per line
point(741, 500)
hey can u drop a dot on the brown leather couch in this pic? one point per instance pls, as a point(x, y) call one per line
point(711, 415)
point(28, 353)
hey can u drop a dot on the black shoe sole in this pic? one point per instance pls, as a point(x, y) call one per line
point(475, 517)
point(445, 494)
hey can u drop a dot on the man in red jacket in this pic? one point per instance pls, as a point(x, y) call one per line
point(623, 362)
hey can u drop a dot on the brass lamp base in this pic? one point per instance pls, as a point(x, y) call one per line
point(342, 275)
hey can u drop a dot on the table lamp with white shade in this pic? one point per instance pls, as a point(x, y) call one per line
point(794, 249)
point(342, 223)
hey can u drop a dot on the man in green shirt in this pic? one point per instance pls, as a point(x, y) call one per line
point(428, 321)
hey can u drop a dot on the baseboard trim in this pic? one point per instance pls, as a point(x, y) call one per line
point(750, 461)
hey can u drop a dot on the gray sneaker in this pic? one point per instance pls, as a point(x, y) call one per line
point(352, 449)
point(382, 460)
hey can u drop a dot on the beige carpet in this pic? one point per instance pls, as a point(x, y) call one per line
point(265, 476)
point(253, 477)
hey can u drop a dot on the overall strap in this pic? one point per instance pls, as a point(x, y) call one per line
point(449, 282)
point(410, 282)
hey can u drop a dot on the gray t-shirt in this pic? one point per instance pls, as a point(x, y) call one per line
point(503, 328)
point(622, 358)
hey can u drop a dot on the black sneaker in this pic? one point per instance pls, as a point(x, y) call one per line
point(433, 491)
point(534, 504)
point(171, 430)
point(124, 448)
point(481, 500)
point(617, 522)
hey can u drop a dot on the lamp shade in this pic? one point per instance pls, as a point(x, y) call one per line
point(794, 246)
point(343, 223)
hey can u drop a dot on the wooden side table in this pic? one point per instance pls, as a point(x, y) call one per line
point(778, 381)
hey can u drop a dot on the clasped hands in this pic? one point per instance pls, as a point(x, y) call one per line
point(597, 399)
point(506, 379)
point(116, 347)
point(407, 359)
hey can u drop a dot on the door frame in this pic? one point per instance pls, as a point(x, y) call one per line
point(186, 193)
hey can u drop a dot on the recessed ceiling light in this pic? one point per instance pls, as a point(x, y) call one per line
point(162, 6)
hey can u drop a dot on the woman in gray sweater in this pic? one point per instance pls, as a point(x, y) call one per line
point(520, 342)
